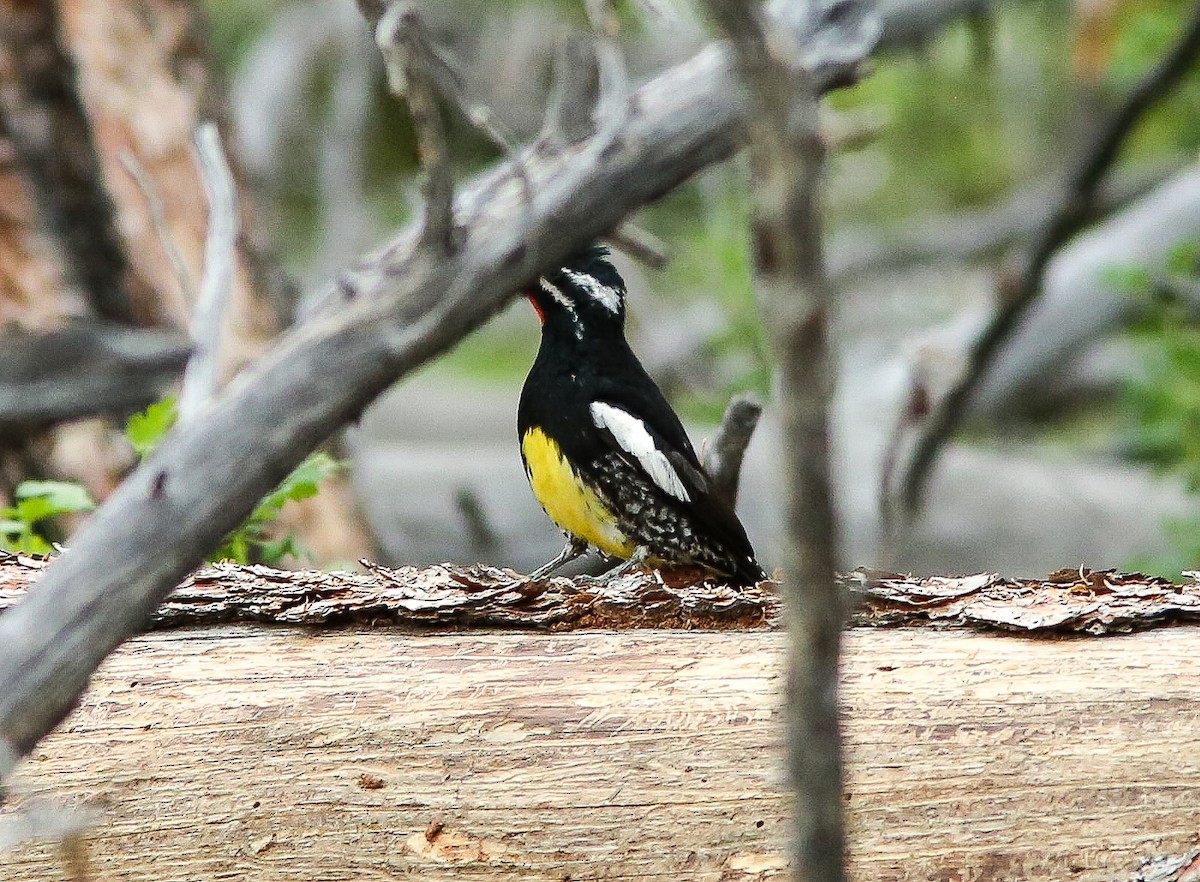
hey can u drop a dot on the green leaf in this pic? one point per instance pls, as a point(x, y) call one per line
point(22, 540)
point(32, 543)
point(273, 553)
point(63, 497)
point(250, 543)
point(300, 484)
point(34, 509)
point(144, 430)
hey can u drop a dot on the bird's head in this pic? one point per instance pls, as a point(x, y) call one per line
point(585, 293)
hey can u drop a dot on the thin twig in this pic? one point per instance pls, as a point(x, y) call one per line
point(787, 164)
point(201, 376)
point(447, 75)
point(1074, 205)
point(723, 459)
point(158, 219)
point(410, 65)
point(640, 244)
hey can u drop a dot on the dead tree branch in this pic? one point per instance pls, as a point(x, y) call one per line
point(640, 244)
point(787, 158)
point(395, 311)
point(912, 22)
point(84, 369)
point(612, 77)
point(200, 377)
point(723, 459)
point(978, 234)
point(410, 63)
point(1071, 211)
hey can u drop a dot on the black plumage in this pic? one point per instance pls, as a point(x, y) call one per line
point(585, 372)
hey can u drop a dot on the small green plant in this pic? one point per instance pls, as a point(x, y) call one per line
point(22, 527)
point(35, 502)
point(251, 542)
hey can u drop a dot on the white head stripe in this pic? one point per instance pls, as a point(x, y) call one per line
point(635, 439)
point(564, 301)
point(556, 292)
point(609, 298)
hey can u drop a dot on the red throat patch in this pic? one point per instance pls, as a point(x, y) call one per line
point(536, 307)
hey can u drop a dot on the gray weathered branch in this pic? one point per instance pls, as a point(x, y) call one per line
point(723, 459)
point(787, 159)
point(410, 65)
point(82, 370)
point(976, 234)
point(572, 94)
point(912, 22)
point(395, 311)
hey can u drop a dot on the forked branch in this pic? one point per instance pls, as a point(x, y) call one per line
point(1073, 208)
point(411, 62)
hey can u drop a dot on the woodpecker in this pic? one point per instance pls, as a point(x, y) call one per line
point(605, 455)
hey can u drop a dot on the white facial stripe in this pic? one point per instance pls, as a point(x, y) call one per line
point(564, 301)
point(633, 437)
point(609, 298)
point(556, 292)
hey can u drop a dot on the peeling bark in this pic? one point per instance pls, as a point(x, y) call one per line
point(1072, 601)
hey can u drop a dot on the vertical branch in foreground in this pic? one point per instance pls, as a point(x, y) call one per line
point(787, 159)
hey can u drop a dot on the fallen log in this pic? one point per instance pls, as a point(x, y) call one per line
point(1095, 602)
point(355, 751)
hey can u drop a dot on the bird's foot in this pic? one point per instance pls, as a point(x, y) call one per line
point(640, 556)
point(574, 548)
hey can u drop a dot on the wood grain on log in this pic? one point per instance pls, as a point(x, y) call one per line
point(257, 753)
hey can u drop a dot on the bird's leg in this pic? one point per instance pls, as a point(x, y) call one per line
point(640, 555)
point(575, 547)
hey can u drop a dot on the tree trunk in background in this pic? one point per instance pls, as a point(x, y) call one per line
point(114, 83)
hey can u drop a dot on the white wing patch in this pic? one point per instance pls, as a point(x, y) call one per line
point(609, 298)
point(635, 439)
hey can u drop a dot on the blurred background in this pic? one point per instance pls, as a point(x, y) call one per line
point(1082, 446)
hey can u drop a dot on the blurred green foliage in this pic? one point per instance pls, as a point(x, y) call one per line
point(1162, 404)
point(256, 541)
point(22, 525)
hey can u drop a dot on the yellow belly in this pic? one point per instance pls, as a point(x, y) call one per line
point(571, 505)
